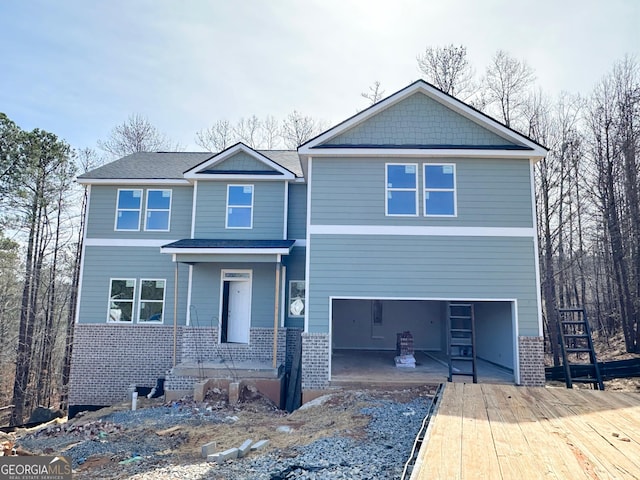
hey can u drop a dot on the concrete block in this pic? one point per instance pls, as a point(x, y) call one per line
point(234, 392)
point(244, 448)
point(212, 458)
point(208, 449)
point(260, 444)
point(230, 454)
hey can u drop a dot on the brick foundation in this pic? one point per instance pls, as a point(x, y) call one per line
point(200, 344)
point(108, 359)
point(315, 361)
point(531, 361)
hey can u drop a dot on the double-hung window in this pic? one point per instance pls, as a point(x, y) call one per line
point(401, 189)
point(128, 209)
point(158, 210)
point(239, 206)
point(439, 190)
point(121, 294)
point(151, 304)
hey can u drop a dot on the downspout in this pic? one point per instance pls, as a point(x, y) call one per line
point(175, 313)
point(275, 314)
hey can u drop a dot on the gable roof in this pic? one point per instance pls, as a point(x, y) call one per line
point(169, 167)
point(207, 169)
point(359, 134)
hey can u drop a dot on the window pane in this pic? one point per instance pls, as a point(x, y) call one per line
point(158, 220)
point(152, 290)
point(296, 298)
point(401, 203)
point(122, 289)
point(129, 199)
point(120, 311)
point(159, 199)
point(439, 203)
point(240, 194)
point(150, 311)
point(128, 220)
point(238, 217)
point(439, 176)
point(401, 176)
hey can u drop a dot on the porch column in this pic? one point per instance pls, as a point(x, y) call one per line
point(276, 311)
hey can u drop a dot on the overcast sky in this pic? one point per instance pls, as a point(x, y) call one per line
point(79, 67)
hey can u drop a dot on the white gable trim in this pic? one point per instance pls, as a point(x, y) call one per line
point(194, 172)
point(421, 86)
point(424, 153)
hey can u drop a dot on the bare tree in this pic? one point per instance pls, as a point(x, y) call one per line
point(507, 82)
point(270, 133)
point(375, 93)
point(298, 128)
point(217, 137)
point(448, 69)
point(136, 134)
point(249, 131)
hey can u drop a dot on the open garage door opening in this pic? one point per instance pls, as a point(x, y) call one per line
point(365, 341)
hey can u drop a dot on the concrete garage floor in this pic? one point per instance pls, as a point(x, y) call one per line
point(376, 367)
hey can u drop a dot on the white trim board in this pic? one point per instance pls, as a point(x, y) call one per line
point(405, 230)
point(227, 251)
point(127, 242)
point(131, 181)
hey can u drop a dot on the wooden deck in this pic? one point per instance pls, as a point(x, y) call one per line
point(508, 432)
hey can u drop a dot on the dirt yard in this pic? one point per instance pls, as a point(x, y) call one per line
point(114, 442)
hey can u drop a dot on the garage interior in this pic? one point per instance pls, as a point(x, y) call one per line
point(365, 334)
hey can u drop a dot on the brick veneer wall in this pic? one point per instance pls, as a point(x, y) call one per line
point(200, 344)
point(531, 361)
point(315, 361)
point(107, 359)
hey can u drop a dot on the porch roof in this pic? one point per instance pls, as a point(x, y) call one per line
point(208, 246)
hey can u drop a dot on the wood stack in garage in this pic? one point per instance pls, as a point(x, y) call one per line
point(404, 350)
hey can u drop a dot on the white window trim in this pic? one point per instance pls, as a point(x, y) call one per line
point(226, 210)
point(115, 223)
point(147, 210)
point(425, 190)
point(289, 314)
point(133, 301)
point(387, 190)
point(140, 300)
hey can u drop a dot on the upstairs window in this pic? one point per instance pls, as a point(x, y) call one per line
point(401, 189)
point(151, 301)
point(439, 190)
point(128, 209)
point(239, 206)
point(121, 292)
point(158, 210)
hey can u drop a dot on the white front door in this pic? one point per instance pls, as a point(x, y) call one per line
point(239, 312)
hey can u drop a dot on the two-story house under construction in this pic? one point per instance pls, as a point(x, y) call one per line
point(383, 224)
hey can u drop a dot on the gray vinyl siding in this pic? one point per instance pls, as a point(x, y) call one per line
point(297, 219)
point(418, 120)
point(205, 293)
point(268, 211)
point(422, 267)
point(101, 264)
point(295, 263)
point(242, 161)
point(102, 213)
point(490, 193)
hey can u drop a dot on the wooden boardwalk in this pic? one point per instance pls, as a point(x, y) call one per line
point(508, 432)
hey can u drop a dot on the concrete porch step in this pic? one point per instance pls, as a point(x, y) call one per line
point(226, 369)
